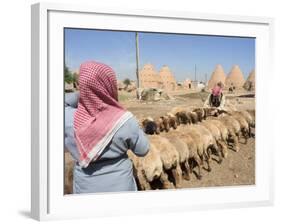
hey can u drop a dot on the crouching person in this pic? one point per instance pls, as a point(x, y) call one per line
point(103, 132)
point(216, 99)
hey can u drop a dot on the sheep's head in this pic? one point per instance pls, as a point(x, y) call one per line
point(200, 113)
point(182, 117)
point(150, 127)
point(194, 117)
point(173, 122)
point(214, 112)
point(166, 123)
point(160, 125)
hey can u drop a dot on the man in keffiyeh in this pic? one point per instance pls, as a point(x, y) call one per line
point(102, 132)
point(216, 98)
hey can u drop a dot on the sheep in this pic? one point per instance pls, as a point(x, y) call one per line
point(164, 123)
point(149, 168)
point(169, 156)
point(200, 113)
point(183, 118)
point(68, 173)
point(223, 129)
point(186, 147)
point(173, 122)
point(244, 125)
point(150, 126)
point(183, 151)
point(155, 126)
point(233, 127)
point(204, 141)
point(216, 132)
point(210, 111)
point(250, 116)
point(209, 142)
point(193, 117)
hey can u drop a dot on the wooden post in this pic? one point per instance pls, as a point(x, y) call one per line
point(195, 74)
point(137, 60)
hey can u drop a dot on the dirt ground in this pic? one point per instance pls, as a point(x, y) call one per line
point(238, 168)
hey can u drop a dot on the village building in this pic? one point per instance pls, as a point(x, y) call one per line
point(218, 75)
point(168, 80)
point(187, 84)
point(150, 79)
point(250, 82)
point(235, 78)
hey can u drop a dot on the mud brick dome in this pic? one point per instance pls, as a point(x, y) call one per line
point(168, 79)
point(250, 82)
point(149, 78)
point(235, 78)
point(218, 75)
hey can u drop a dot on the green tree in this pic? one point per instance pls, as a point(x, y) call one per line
point(127, 82)
point(68, 76)
point(75, 80)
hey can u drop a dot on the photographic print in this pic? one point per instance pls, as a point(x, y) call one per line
point(150, 111)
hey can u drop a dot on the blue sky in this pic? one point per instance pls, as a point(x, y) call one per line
point(180, 52)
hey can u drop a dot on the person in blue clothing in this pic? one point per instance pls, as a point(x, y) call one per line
point(98, 133)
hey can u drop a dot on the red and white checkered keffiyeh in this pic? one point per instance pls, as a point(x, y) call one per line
point(99, 114)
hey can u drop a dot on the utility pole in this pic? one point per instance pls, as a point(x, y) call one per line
point(205, 78)
point(137, 60)
point(195, 79)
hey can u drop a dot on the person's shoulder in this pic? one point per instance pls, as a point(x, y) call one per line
point(132, 124)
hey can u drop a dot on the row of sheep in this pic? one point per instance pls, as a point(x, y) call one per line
point(183, 140)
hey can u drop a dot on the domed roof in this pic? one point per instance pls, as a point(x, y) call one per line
point(165, 73)
point(250, 82)
point(149, 74)
point(251, 77)
point(148, 70)
point(235, 77)
point(148, 67)
point(218, 75)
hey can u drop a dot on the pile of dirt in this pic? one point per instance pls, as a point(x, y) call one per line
point(154, 94)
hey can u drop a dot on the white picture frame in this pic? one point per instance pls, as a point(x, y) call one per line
point(47, 198)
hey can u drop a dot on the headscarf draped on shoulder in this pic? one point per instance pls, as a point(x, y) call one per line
point(99, 114)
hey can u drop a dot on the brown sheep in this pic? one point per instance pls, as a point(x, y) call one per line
point(216, 132)
point(244, 126)
point(68, 173)
point(149, 168)
point(209, 142)
point(192, 151)
point(202, 143)
point(223, 129)
point(173, 122)
point(233, 127)
point(183, 151)
point(164, 123)
point(200, 113)
point(169, 156)
point(183, 118)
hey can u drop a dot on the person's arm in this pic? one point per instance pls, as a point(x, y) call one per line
point(137, 140)
point(222, 104)
point(69, 140)
point(207, 101)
